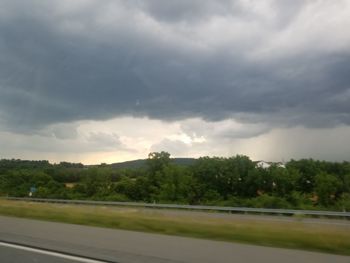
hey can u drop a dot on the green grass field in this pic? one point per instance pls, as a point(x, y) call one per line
point(295, 234)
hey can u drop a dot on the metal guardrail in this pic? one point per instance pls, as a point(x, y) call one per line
point(191, 207)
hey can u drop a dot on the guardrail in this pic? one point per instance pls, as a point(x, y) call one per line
point(191, 207)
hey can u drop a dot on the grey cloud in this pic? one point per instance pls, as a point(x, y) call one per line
point(63, 143)
point(108, 65)
point(104, 140)
point(101, 141)
point(175, 147)
point(62, 131)
point(198, 11)
point(183, 10)
point(324, 144)
point(227, 129)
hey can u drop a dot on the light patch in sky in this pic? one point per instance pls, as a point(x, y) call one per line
point(128, 138)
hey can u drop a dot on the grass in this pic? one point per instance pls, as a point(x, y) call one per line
point(295, 234)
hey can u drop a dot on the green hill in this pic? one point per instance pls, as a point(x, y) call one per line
point(135, 164)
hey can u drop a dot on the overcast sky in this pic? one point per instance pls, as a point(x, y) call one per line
point(105, 81)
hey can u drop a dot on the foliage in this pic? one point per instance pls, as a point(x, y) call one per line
point(233, 181)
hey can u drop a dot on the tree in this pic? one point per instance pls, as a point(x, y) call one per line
point(326, 188)
point(283, 180)
point(239, 167)
point(157, 161)
point(308, 169)
point(175, 186)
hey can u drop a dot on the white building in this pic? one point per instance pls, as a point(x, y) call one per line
point(262, 164)
point(265, 165)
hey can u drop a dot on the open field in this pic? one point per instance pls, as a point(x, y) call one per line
point(331, 238)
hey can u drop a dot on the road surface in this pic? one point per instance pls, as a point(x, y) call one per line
point(10, 253)
point(131, 247)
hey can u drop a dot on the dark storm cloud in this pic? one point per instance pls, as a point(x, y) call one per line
point(199, 10)
point(63, 62)
point(183, 10)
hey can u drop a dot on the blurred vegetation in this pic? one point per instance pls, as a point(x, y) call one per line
point(234, 181)
point(289, 234)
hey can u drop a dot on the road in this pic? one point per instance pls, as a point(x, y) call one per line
point(10, 253)
point(131, 247)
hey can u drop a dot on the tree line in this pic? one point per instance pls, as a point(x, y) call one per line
point(233, 181)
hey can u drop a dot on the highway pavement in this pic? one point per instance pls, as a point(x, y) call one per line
point(17, 255)
point(131, 247)
point(11, 255)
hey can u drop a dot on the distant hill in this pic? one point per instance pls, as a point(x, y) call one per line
point(142, 163)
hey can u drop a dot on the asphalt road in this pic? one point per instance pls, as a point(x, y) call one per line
point(10, 255)
point(13, 255)
point(131, 247)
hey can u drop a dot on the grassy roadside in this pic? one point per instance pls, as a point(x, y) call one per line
point(316, 237)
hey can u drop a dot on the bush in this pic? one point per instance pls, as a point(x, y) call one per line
point(268, 201)
point(300, 201)
point(343, 203)
point(211, 197)
point(234, 201)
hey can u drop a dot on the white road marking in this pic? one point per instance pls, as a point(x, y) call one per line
point(49, 253)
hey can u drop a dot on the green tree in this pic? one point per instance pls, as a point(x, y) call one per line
point(175, 186)
point(326, 187)
point(308, 169)
point(284, 181)
point(157, 161)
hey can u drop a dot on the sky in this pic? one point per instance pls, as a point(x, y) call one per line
point(96, 81)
